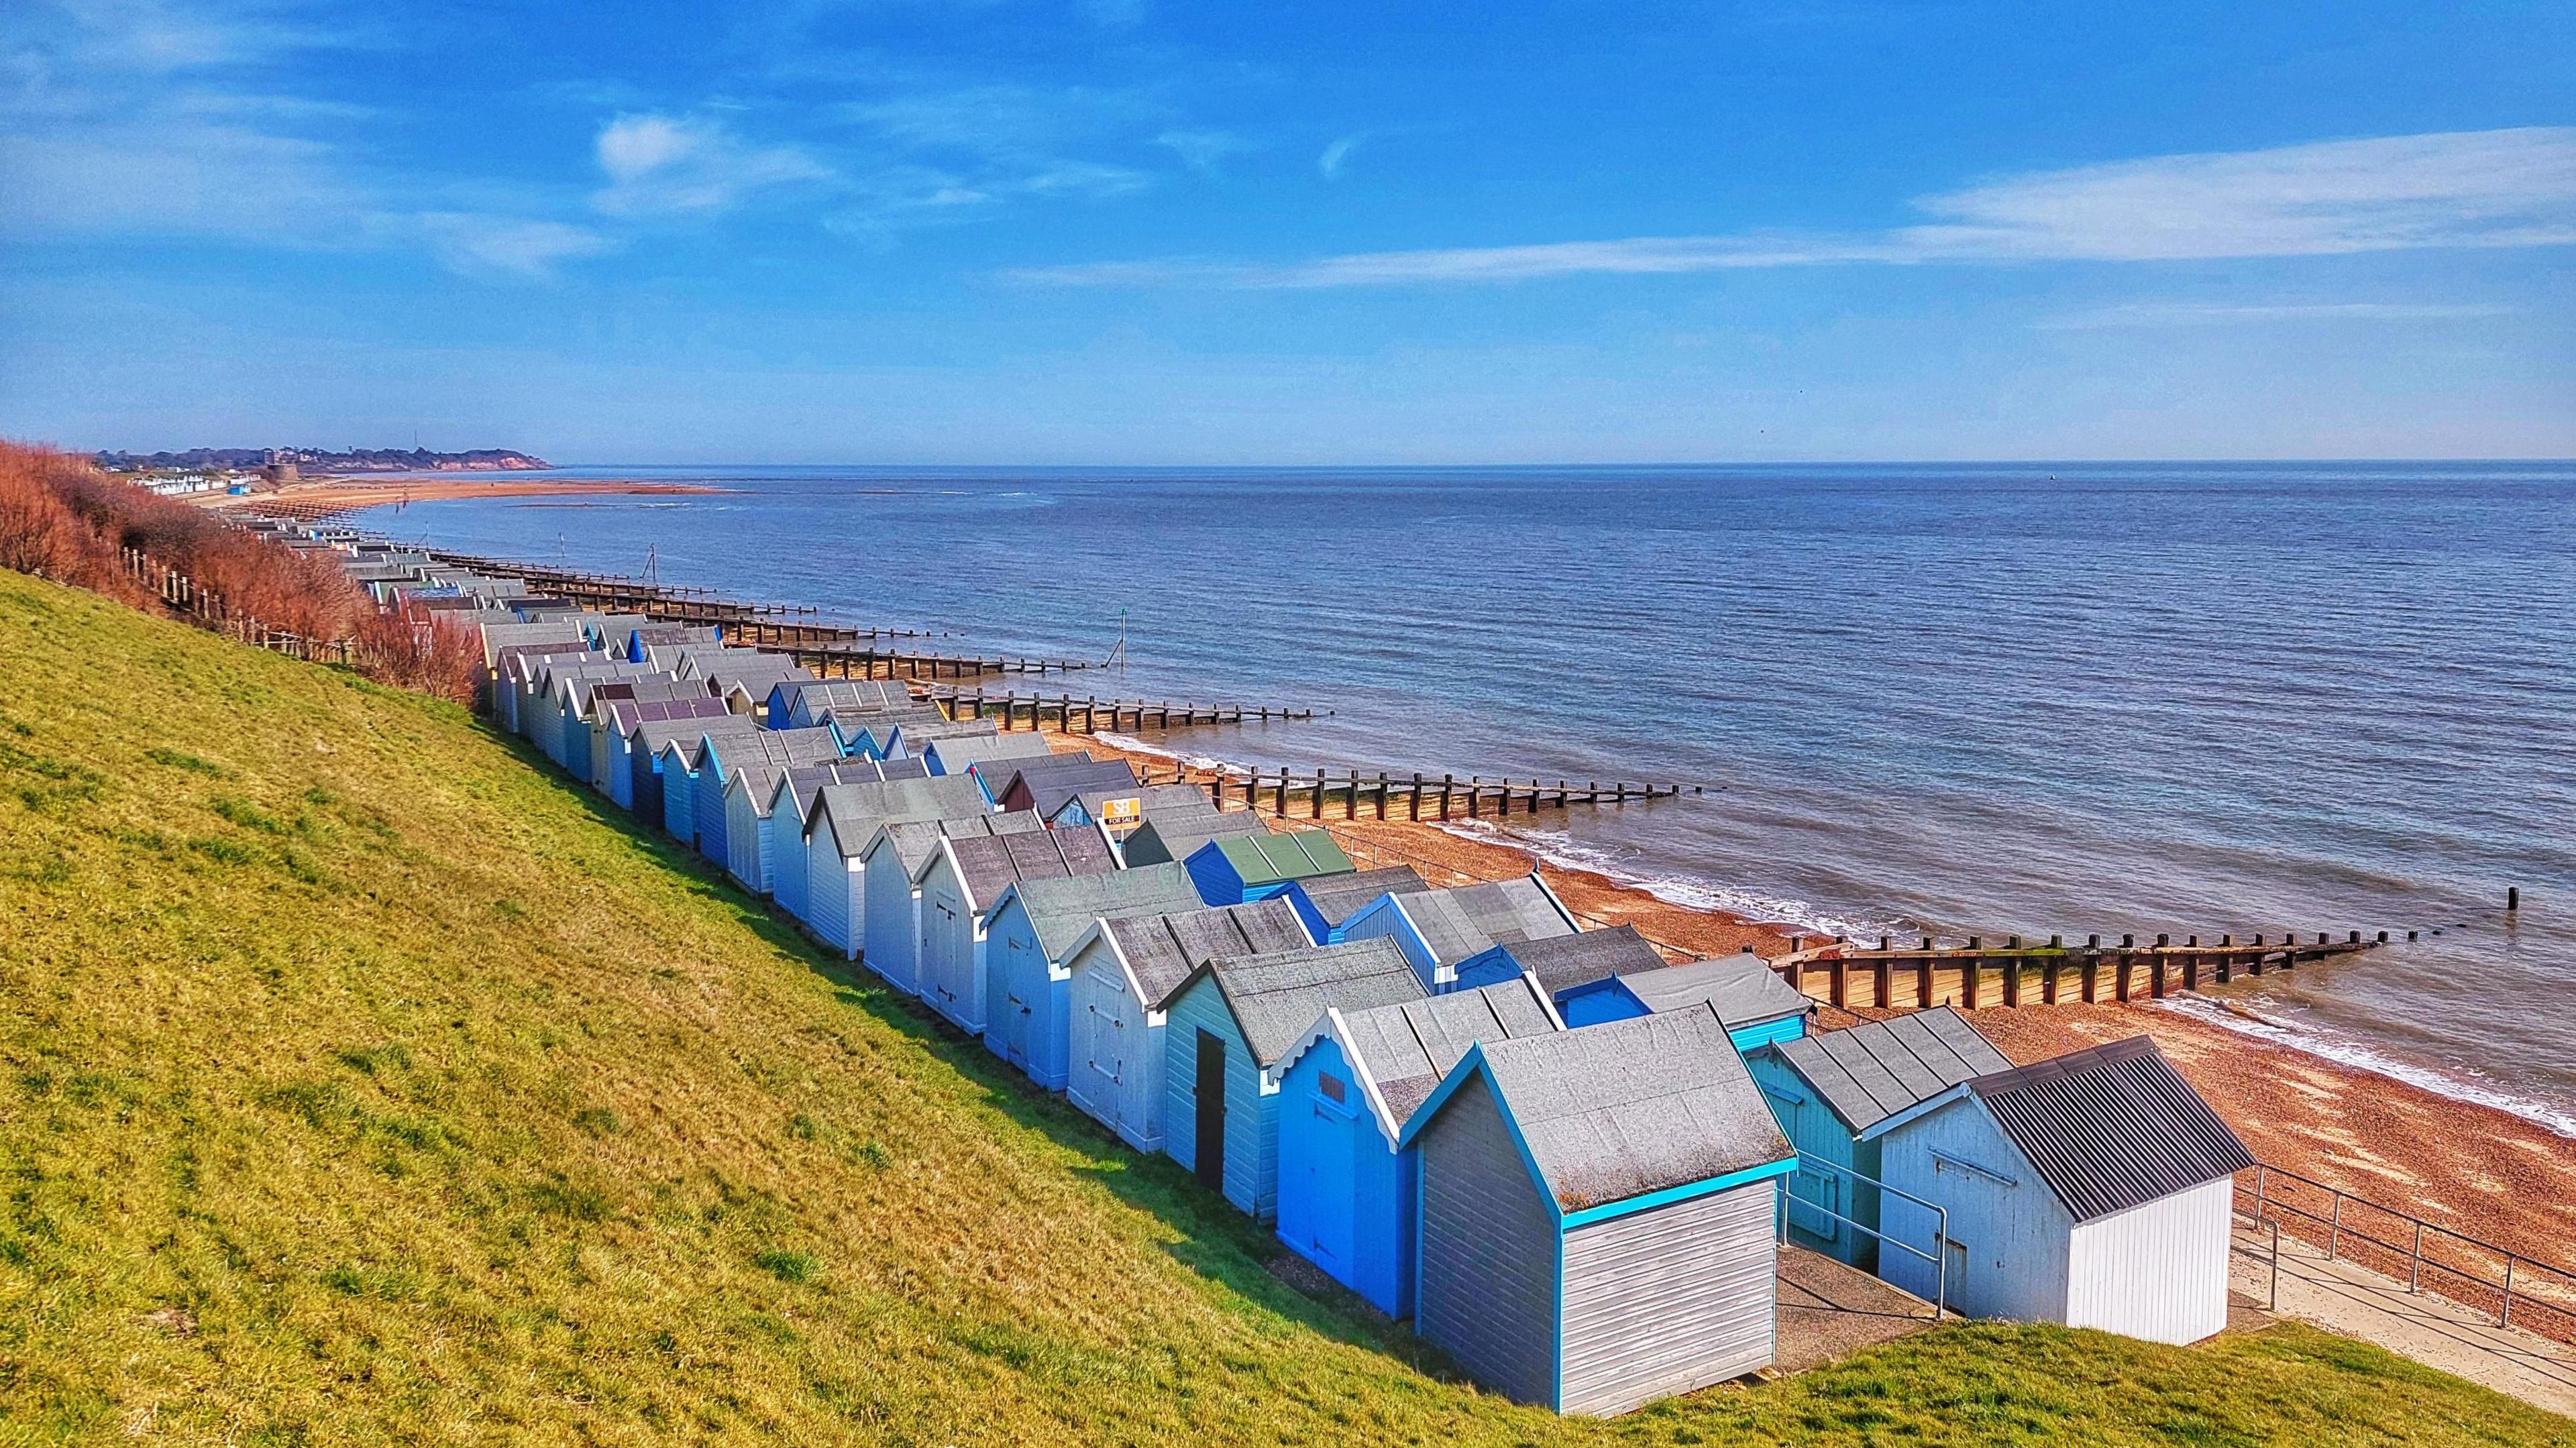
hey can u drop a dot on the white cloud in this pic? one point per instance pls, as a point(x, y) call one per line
point(1204, 151)
point(2208, 314)
point(1330, 163)
point(660, 165)
point(2507, 188)
point(475, 244)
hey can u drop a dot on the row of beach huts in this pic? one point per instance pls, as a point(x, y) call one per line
point(1570, 1163)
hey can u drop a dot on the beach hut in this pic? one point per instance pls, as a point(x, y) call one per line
point(1046, 784)
point(1759, 1008)
point(744, 684)
point(962, 753)
point(514, 673)
point(1235, 868)
point(1596, 1214)
point(1452, 935)
point(871, 733)
point(1566, 964)
point(791, 804)
point(2093, 1189)
point(676, 763)
point(723, 753)
point(842, 822)
point(1227, 1028)
point(802, 703)
point(914, 733)
point(1028, 946)
point(1177, 834)
point(608, 726)
point(959, 885)
point(889, 926)
point(1121, 970)
point(1346, 1191)
point(753, 773)
point(642, 727)
point(1325, 901)
point(1834, 1090)
point(1119, 813)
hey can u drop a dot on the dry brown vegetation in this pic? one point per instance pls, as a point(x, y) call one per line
point(63, 519)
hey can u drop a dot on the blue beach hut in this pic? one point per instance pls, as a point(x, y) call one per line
point(1346, 1192)
point(1028, 945)
point(1227, 1027)
point(1758, 1007)
point(1236, 868)
point(1452, 936)
point(1324, 902)
point(1596, 1213)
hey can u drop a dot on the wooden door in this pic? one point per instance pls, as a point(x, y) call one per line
point(1210, 1154)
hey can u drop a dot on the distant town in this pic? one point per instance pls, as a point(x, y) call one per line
point(251, 469)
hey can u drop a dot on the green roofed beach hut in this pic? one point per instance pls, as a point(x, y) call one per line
point(1237, 868)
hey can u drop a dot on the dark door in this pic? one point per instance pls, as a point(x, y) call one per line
point(1211, 1097)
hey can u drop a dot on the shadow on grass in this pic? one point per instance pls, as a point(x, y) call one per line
point(1212, 1238)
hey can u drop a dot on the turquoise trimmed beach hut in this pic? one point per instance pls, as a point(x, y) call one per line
point(1346, 1189)
point(1228, 1026)
point(1243, 867)
point(1759, 1008)
point(1596, 1212)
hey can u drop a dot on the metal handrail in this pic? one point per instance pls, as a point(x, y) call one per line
point(1938, 1256)
point(2338, 1231)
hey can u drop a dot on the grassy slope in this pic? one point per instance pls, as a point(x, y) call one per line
point(366, 1084)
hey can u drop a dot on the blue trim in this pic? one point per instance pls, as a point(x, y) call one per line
point(1588, 1215)
point(1763, 1033)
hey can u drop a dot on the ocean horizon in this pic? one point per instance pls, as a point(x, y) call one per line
point(1946, 698)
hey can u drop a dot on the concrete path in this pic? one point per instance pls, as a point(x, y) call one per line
point(2438, 1333)
point(1829, 1311)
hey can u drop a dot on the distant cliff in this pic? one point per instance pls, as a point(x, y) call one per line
point(323, 460)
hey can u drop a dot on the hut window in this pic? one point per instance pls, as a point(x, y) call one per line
point(1332, 1086)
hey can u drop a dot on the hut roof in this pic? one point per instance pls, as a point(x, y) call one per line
point(915, 841)
point(1336, 896)
point(853, 696)
point(1052, 781)
point(1164, 949)
point(988, 866)
point(1059, 910)
point(629, 715)
point(1183, 834)
point(1472, 919)
point(1267, 859)
point(2112, 1127)
point(1406, 1048)
point(1275, 996)
point(1562, 962)
point(808, 780)
point(958, 753)
point(857, 810)
point(1872, 1071)
point(1741, 988)
point(1618, 1110)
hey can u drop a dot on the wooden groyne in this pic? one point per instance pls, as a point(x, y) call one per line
point(1089, 715)
point(617, 593)
point(1349, 794)
point(1978, 977)
point(858, 661)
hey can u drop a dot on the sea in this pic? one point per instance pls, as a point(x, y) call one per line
point(2067, 698)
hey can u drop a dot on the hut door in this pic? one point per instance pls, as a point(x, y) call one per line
point(1210, 1094)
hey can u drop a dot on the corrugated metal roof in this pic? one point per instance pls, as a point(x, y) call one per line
point(1409, 1046)
point(1060, 910)
point(1276, 996)
point(1618, 1110)
point(988, 866)
point(1562, 962)
point(1163, 950)
point(1336, 896)
point(1874, 1070)
point(1741, 988)
point(2112, 1127)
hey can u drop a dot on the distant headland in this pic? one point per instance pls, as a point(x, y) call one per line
point(325, 460)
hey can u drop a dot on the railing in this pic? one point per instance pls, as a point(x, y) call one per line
point(2521, 1290)
point(1938, 1256)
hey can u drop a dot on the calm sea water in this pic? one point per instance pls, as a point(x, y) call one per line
point(1991, 699)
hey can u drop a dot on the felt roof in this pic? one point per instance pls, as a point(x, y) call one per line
point(1163, 950)
point(1266, 859)
point(915, 841)
point(1407, 1047)
point(857, 810)
point(1277, 995)
point(990, 865)
point(1060, 910)
point(1742, 988)
point(1872, 1071)
point(1562, 962)
point(1336, 896)
point(959, 753)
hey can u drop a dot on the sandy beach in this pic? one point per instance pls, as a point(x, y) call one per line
point(323, 497)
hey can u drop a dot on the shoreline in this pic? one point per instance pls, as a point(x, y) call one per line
point(330, 496)
point(2478, 1168)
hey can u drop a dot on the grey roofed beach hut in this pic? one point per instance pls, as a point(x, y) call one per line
point(677, 764)
point(2094, 1189)
point(1758, 1007)
point(1450, 935)
point(608, 728)
point(1325, 901)
point(724, 751)
point(844, 819)
point(1046, 784)
point(1566, 964)
point(1596, 1214)
point(1832, 1090)
point(643, 726)
point(791, 803)
point(889, 928)
point(749, 783)
point(1029, 940)
point(1121, 970)
point(959, 886)
point(802, 703)
point(1228, 1027)
point(1346, 1190)
point(963, 752)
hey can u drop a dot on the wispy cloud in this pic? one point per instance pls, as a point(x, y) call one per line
point(1336, 156)
point(660, 165)
point(2207, 314)
point(507, 246)
point(2506, 188)
point(1205, 151)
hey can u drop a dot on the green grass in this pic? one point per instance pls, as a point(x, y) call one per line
point(365, 1084)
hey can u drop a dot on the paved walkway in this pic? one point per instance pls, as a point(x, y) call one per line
point(1830, 1311)
point(2358, 1302)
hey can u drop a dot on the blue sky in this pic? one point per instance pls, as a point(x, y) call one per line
point(1117, 231)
